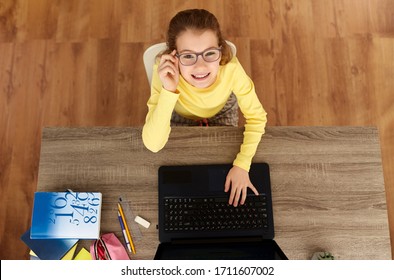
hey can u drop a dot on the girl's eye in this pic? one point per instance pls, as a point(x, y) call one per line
point(210, 53)
point(188, 56)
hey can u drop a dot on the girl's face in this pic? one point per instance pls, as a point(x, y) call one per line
point(202, 74)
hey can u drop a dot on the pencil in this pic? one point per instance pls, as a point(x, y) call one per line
point(124, 231)
point(126, 227)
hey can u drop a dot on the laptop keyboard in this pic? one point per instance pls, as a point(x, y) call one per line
point(213, 213)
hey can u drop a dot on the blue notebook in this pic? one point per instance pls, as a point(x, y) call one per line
point(48, 249)
point(66, 215)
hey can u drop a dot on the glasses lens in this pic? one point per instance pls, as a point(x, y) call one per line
point(211, 55)
point(188, 58)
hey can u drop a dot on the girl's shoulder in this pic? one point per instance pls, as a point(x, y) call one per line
point(233, 62)
point(233, 66)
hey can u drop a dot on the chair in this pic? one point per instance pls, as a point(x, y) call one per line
point(151, 53)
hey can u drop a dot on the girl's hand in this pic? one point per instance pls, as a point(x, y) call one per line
point(239, 181)
point(169, 71)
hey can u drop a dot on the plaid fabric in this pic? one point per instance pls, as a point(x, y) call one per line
point(228, 116)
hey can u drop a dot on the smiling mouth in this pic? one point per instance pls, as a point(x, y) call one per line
point(200, 77)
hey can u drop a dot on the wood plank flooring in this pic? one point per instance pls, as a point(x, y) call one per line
point(79, 63)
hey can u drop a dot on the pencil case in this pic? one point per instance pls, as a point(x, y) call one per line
point(108, 247)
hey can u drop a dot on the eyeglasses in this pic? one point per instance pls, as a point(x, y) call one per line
point(209, 55)
point(100, 250)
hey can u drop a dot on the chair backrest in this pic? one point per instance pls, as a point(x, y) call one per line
point(151, 53)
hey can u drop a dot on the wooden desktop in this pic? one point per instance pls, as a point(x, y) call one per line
point(327, 182)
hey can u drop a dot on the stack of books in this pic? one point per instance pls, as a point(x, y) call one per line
point(59, 220)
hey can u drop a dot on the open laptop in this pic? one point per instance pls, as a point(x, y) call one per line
point(204, 184)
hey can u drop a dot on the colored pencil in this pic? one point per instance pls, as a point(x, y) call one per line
point(124, 231)
point(126, 227)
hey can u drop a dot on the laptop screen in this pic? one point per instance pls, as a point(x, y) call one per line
point(258, 250)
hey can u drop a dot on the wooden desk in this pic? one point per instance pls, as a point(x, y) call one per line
point(327, 182)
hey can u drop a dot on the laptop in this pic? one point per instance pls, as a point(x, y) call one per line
point(179, 185)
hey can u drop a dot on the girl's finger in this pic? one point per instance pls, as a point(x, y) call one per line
point(253, 189)
point(168, 64)
point(244, 193)
point(170, 57)
point(237, 197)
point(167, 70)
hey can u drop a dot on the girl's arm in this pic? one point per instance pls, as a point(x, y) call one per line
point(161, 103)
point(255, 116)
point(238, 177)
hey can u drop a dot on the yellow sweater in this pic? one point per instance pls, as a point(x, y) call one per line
point(196, 103)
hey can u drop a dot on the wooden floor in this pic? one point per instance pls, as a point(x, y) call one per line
point(79, 63)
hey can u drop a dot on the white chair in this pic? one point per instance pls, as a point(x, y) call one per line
point(151, 53)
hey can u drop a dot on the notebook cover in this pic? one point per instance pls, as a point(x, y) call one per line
point(83, 255)
point(66, 215)
point(48, 249)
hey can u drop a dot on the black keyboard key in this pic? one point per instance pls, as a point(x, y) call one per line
point(187, 214)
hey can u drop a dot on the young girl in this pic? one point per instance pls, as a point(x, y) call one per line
point(198, 81)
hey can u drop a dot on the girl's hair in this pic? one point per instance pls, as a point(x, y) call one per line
point(196, 19)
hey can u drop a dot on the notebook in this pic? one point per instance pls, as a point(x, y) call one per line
point(206, 182)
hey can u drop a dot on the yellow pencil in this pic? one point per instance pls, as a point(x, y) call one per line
point(126, 227)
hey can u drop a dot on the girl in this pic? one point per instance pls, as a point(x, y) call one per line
point(198, 81)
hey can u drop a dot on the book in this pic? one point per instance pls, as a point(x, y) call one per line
point(66, 215)
point(83, 255)
point(68, 256)
point(48, 249)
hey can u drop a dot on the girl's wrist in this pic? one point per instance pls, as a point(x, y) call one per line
point(172, 90)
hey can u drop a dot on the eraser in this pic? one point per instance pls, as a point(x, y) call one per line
point(142, 221)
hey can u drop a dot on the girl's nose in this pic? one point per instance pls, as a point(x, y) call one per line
point(200, 61)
